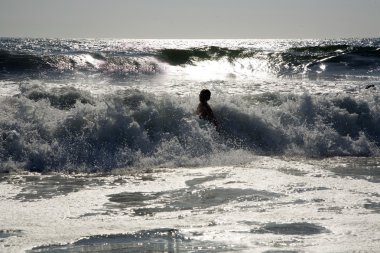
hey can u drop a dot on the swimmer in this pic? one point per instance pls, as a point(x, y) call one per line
point(204, 110)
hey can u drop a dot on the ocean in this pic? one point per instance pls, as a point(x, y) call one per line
point(101, 149)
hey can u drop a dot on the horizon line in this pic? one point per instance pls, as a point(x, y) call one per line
point(121, 38)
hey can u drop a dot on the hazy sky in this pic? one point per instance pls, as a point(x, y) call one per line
point(190, 18)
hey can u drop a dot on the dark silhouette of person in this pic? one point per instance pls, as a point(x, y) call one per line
point(204, 110)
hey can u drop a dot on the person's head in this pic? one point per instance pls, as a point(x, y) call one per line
point(205, 95)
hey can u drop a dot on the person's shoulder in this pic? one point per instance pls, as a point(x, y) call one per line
point(200, 107)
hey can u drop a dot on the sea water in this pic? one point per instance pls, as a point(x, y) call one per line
point(100, 149)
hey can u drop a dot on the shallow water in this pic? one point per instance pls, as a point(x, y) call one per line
point(157, 240)
point(269, 205)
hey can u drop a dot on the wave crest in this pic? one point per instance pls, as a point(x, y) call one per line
point(188, 56)
point(31, 65)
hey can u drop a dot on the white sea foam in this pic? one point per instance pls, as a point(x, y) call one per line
point(270, 203)
point(68, 129)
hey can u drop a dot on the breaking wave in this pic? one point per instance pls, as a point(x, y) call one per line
point(330, 61)
point(32, 65)
point(69, 130)
point(323, 61)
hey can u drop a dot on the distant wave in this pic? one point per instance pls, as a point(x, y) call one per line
point(313, 61)
point(336, 59)
point(22, 64)
point(317, 61)
point(188, 56)
point(68, 129)
point(14, 62)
